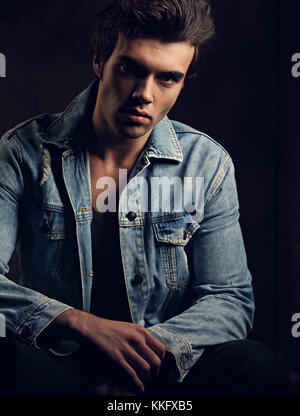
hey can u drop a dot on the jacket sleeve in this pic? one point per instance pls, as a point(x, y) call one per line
point(222, 307)
point(25, 311)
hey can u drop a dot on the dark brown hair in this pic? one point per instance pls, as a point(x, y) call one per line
point(166, 20)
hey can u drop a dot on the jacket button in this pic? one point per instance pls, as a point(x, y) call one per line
point(138, 279)
point(131, 216)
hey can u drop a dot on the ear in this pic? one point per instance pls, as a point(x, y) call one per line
point(97, 67)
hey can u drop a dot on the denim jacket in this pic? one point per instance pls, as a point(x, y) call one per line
point(187, 280)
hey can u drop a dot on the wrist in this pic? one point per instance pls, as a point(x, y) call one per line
point(61, 328)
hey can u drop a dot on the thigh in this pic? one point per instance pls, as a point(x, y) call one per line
point(32, 372)
point(238, 368)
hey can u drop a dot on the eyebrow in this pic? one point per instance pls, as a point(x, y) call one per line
point(143, 70)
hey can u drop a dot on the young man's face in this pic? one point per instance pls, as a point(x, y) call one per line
point(140, 84)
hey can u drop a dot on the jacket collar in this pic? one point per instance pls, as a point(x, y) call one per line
point(163, 142)
point(70, 129)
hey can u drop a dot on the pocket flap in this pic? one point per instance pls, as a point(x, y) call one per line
point(54, 225)
point(177, 231)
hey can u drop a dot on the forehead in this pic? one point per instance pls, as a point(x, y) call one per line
point(156, 55)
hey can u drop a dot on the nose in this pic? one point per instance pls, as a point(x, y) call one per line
point(143, 90)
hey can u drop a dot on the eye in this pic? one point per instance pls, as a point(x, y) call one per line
point(167, 79)
point(123, 69)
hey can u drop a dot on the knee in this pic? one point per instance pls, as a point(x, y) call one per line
point(264, 373)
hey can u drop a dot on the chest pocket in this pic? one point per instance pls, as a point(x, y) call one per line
point(53, 247)
point(55, 226)
point(172, 236)
point(56, 243)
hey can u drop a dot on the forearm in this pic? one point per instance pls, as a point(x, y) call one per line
point(71, 324)
point(27, 313)
point(216, 320)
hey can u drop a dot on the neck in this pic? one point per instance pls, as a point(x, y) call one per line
point(114, 150)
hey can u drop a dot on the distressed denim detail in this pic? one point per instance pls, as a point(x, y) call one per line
point(46, 164)
point(196, 289)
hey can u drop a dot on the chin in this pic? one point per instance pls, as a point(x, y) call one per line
point(133, 132)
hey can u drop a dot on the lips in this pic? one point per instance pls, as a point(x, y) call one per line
point(136, 113)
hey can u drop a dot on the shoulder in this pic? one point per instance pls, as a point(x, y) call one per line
point(185, 132)
point(203, 156)
point(28, 134)
point(33, 126)
point(199, 146)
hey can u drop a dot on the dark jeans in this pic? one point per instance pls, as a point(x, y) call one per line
point(237, 368)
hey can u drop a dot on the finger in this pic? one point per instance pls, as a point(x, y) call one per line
point(133, 375)
point(135, 357)
point(156, 345)
point(152, 359)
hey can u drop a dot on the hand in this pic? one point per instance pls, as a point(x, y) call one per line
point(130, 346)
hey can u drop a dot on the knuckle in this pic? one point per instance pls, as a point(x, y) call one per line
point(139, 327)
point(135, 338)
point(123, 364)
point(146, 367)
point(132, 373)
point(117, 356)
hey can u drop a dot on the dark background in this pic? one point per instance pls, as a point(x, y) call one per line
point(244, 97)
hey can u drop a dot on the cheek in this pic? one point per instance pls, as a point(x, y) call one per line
point(166, 104)
point(113, 90)
point(109, 93)
point(122, 85)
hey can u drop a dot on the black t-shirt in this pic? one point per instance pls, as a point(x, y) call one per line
point(109, 295)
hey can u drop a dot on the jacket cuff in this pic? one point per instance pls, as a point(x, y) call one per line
point(181, 349)
point(37, 318)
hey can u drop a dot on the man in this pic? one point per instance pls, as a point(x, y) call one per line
point(144, 300)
